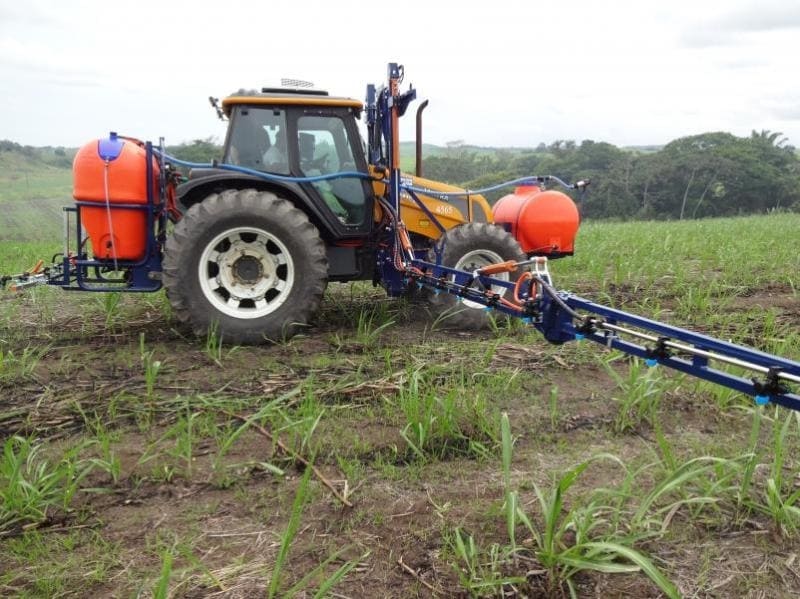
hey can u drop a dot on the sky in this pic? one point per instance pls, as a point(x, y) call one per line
point(497, 73)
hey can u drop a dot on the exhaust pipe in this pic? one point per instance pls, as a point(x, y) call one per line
point(419, 138)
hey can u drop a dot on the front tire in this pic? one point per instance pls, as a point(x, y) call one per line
point(468, 247)
point(248, 263)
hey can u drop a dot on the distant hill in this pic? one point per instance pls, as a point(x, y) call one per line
point(408, 147)
point(34, 184)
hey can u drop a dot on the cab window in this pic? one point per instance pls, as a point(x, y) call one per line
point(325, 147)
point(257, 140)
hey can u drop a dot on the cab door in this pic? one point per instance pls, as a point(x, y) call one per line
point(327, 141)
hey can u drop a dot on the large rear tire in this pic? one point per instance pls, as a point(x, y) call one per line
point(468, 247)
point(246, 263)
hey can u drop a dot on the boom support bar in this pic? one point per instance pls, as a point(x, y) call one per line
point(562, 317)
point(690, 352)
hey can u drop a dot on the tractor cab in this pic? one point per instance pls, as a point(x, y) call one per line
point(303, 133)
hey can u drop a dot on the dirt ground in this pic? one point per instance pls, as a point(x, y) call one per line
point(223, 524)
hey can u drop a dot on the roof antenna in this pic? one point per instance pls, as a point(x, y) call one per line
point(215, 105)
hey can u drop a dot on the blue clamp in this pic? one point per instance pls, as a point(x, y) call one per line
point(586, 327)
point(659, 352)
point(770, 386)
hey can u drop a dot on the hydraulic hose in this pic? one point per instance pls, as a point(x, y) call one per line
point(551, 291)
point(357, 175)
point(263, 175)
point(521, 181)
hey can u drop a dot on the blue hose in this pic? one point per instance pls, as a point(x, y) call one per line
point(263, 175)
point(358, 175)
point(469, 192)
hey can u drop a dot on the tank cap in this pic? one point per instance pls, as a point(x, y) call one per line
point(110, 149)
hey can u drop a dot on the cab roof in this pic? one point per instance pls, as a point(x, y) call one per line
point(270, 97)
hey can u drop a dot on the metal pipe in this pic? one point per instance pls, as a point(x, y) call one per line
point(418, 168)
point(66, 232)
point(696, 339)
point(394, 121)
point(697, 352)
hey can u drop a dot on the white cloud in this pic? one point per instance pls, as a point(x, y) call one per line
point(509, 73)
point(764, 15)
point(733, 24)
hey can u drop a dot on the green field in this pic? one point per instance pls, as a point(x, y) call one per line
point(139, 460)
point(32, 195)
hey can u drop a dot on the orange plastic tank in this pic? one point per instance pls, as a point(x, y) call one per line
point(113, 171)
point(543, 222)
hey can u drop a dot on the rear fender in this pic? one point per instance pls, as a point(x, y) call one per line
point(214, 181)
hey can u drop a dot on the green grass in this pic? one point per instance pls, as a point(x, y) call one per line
point(638, 393)
point(655, 260)
point(22, 254)
point(441, 423)
point(34, 488)
point(45, 565)
point(33, 193)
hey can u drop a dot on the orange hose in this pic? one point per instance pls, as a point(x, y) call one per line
point(405, 240)
point(509, 304)
point(493, 269)
point(525, 276)
point(172, 203)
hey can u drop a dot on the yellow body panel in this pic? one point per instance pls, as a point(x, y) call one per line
point(450, 212)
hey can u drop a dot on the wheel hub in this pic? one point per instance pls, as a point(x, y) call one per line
point(246, 273)
point(247, 269)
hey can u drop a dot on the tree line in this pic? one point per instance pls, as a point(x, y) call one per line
point(711, 174)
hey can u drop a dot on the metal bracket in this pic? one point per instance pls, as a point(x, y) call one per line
point(659, 351)
point(771, 385)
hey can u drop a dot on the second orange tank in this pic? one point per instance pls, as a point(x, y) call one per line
point(543, 222)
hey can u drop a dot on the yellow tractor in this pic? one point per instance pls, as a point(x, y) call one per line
point(253, 253)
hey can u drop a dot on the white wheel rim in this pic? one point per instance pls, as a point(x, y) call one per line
point(476, 259)
point(246, 272)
